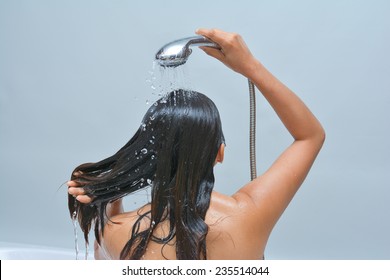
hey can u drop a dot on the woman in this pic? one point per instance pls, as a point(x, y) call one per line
point(177, 146)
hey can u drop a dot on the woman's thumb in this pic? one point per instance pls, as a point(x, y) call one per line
point(213, 52)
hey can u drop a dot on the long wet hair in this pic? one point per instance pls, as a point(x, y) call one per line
point(173, 152)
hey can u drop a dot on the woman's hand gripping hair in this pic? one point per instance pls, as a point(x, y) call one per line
point(76, 189)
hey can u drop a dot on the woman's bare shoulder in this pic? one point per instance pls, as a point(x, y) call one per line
point(234, 232)
point(117, 231)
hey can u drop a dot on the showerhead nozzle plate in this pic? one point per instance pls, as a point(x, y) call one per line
point(173, 54)
point(171, 63)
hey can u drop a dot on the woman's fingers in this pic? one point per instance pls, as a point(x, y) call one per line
point(218, 54)
point(76, 191)
point(215, 35)
point(84, 198)
point(74, 184)
point(234, 53)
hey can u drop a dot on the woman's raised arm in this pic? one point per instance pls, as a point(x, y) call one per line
point(269, 194)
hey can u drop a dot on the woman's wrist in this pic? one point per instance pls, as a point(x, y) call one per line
point(254, 70)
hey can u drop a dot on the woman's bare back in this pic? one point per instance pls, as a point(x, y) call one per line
point(230, 236)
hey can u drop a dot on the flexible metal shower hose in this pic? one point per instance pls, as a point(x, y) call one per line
point(252, 129)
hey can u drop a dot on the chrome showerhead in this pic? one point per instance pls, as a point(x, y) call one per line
point(177, 52)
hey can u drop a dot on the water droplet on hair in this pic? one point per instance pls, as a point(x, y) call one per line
point(144, 151)
point(153, 157)
point(143, 126)
point(151, 141)
point(149, 181)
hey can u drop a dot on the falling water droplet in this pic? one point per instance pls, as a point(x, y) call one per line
point(86, 251)
point(74, 221)
point(144, 151)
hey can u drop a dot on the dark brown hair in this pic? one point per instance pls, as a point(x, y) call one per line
point(173, 151)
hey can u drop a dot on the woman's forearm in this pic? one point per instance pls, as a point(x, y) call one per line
point(234, 53)
point(294, 114)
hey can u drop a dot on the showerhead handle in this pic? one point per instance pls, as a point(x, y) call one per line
point(177, 52)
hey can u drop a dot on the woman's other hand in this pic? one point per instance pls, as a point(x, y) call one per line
point(75, 189)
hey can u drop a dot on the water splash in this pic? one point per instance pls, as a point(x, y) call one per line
point(76, 243)
point(86, 250)
point(163, 80)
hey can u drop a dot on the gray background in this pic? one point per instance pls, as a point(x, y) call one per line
point(73, 89)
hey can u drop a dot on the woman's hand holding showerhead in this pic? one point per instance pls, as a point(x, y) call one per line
point(234, 53)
